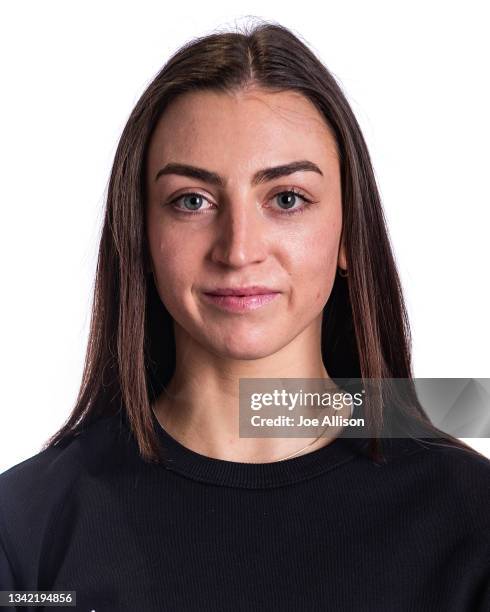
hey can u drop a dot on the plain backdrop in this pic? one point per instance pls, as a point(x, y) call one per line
point(416, 75)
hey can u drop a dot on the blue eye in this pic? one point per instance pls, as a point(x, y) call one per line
point(192, 197)
point(193, 202)
point(292, 195)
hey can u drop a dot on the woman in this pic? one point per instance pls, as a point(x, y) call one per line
point(242, 165)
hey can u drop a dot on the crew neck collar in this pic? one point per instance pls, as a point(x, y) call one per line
point(222, 472)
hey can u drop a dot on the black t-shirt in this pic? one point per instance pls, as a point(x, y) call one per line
point(327, 530)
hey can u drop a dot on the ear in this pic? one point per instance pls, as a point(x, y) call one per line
point(342, 259)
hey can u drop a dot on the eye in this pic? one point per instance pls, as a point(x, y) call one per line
point(192, 203)
point(289, 198)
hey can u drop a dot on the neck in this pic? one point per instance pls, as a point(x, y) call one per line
point(201, 411)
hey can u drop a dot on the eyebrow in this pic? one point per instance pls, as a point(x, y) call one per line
point(262, 176)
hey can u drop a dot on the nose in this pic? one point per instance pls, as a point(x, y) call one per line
point(241, 235)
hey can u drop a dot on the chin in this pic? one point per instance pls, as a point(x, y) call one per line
point(244, 354)
point(248, 348)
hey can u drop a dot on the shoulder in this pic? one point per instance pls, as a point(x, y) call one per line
point(55, 466)
point(36, 491)
point(443, 480)
point(465, 472)
point(442, 459)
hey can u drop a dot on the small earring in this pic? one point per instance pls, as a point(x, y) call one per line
point(343, 273)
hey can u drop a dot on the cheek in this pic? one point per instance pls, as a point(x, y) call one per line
point(314, 262)
point(174, 261)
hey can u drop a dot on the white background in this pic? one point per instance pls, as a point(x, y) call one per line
point(416, 75)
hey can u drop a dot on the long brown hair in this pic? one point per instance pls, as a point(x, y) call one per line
point(131, 349)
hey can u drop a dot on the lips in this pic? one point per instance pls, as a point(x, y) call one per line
point(241, 291)
point(240, 299)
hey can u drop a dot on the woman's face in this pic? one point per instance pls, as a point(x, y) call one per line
point(233, 226)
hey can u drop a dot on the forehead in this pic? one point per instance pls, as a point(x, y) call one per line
point(248, 129)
